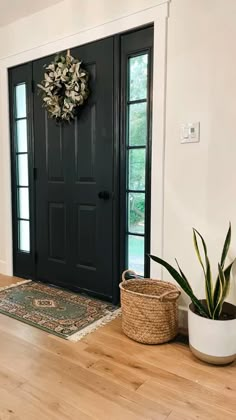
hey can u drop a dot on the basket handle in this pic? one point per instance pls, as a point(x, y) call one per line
point(171, 294)
point(125, 272)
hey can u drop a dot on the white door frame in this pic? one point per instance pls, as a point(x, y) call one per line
point(157, 15)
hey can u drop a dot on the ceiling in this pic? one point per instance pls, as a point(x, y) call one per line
point(11, 10)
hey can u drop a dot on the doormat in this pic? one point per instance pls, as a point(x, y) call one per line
point(62, 313)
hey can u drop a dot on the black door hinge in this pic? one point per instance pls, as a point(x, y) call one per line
point(36, 257)
point(32, 86)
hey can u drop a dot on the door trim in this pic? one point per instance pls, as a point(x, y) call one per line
point(158, 16)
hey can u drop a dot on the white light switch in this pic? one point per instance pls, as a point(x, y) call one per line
point(190, 133)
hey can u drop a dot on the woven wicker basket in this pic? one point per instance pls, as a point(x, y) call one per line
point(149, 309)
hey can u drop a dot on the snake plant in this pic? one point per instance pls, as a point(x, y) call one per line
point(216, 292)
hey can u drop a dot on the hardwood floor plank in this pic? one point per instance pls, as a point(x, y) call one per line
point(135, 364)
point(8, 280)
point(166, 379)
point(48, 342)
point(57, 409)
point(14, 407)
point(183, 365)
point(184, 404)
point(118, 374)
point(10, 380)
point(77, 385)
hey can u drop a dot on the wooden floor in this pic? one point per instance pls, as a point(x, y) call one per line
point(106, 376)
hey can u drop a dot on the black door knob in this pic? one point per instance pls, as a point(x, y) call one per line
point(104, 195)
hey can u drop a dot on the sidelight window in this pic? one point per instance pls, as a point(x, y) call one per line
point(22, 168)
point(136, 152)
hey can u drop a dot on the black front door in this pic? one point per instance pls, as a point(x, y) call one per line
point(74, 182)
point(79, 214)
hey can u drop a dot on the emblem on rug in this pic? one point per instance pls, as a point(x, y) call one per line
point(44, 303)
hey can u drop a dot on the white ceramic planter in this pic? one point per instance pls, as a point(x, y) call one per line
point(212, 341)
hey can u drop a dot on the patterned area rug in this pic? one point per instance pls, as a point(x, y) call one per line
point(66, 314)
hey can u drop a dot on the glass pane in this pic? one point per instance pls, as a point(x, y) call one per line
point(136, 254)
point(138, 77)
point(23, 203)
point(20, 100)
point(22, 165)
point(137, 124)
point(137, 160)
point(21, 136)
point(24, 236)
point(136, 212)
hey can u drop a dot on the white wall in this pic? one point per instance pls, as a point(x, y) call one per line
point(64, 19)
point(200, 179)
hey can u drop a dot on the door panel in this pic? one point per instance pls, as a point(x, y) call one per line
point(54, 153)
point(57, 231)
point(86, 246)
point(74, 163)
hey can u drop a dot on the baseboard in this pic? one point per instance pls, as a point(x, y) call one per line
point(3, 267)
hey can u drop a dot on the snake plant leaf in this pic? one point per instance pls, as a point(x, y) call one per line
point(226, 247)
point(219, 293)
point(223, 290)
point(227, 273)
point(206, 270)
point(182, 274)
point(183, 284)
point(220, 288)
point(228, 269)
point(197, 249)
point(216, 296)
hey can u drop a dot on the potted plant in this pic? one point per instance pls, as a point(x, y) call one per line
point(211, 321)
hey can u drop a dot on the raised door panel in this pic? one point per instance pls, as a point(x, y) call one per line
point(57, 232)
point(85, 146)
point(86, 237)
point(54, 151)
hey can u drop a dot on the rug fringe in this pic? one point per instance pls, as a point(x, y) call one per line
point(19, 283)
point(94, 326)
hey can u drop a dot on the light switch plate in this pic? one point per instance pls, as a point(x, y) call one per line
point(190, 133)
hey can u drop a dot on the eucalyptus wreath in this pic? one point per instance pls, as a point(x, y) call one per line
point(64, 87)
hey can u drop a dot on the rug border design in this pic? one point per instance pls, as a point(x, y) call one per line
point(73, 337)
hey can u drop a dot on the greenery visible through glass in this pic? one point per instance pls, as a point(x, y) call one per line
point(136, 169)
point(136, 253)
point(138, 71)
point(137, 124)
point(136, 212)
point(137, 158)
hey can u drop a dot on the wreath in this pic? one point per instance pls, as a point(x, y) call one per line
point(64, 87)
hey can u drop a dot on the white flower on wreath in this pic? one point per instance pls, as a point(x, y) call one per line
point(64, 87)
